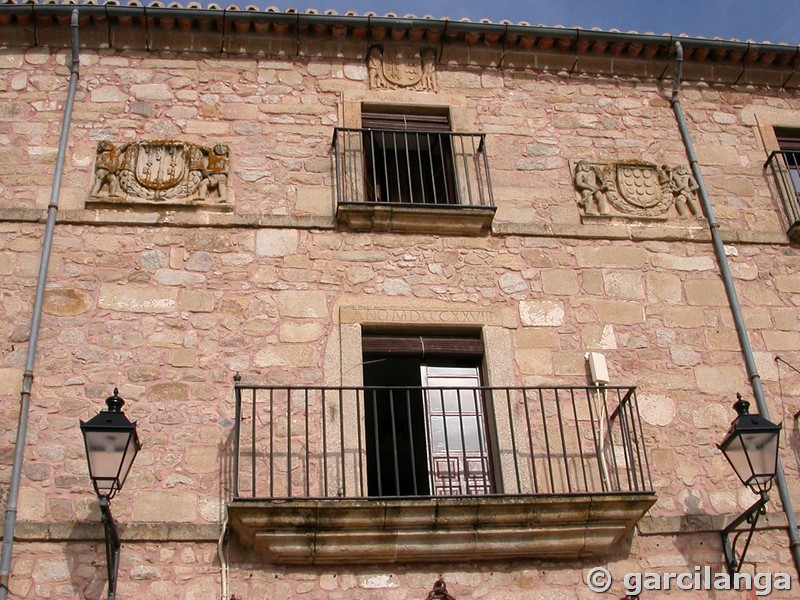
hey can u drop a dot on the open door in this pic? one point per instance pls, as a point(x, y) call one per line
point(424, 416)
point(457, 442)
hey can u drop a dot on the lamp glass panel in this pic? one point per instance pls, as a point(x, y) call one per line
point(106, 450)
point(130, 455)
point(735, 453)
point(762, 448)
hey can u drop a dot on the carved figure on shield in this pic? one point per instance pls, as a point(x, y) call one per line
point(105, 169)
point(215, 175)
point(684, 191)
point(592, 188)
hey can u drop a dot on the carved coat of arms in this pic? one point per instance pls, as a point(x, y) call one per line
point(635, 188)
point(401, 67)
point(161, 171)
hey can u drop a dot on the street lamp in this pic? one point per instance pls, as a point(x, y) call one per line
point(751, 447)
point(111, 446)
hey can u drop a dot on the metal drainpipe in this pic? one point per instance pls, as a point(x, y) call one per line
point(733, 301)
point(27, 378)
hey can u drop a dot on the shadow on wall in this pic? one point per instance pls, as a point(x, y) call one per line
point(86, 562)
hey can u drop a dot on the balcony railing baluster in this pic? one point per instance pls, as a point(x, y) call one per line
point(531, 447)
point(413, 167)
point(785, 167)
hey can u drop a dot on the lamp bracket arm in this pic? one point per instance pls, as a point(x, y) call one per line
point(751, 516)
point(112, 545)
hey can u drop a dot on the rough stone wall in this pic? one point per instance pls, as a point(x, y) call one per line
point(169, 312)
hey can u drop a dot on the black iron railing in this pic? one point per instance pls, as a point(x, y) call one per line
point(785, 167)
point(357, 442)
point(411, 167)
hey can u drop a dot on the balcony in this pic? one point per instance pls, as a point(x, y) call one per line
point(785, 168)
point(412, 181)
point(386, 474)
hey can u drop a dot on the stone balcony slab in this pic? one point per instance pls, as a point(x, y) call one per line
point(351, 531)
point(405, 218)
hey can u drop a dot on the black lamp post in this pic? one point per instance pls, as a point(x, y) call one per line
point(751, 447)
point(111, 446)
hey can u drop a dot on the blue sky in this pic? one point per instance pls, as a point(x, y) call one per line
point(759, 20)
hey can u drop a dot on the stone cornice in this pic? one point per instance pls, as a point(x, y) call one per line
point(214, 30)
point(35, 531)
point(602, 231)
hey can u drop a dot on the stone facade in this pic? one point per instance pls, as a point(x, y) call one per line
point(170, 303)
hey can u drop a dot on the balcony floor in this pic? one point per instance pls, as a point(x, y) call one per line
point(405, 530)
point(416, 218)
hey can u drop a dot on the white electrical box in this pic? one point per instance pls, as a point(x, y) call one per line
point(598, 368)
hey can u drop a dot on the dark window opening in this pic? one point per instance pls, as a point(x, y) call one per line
point(426, 431)
point(408, 158)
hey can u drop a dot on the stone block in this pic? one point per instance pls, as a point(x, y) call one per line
point(788, 283)
point(202, 459)
point(10, 59)
point(684, 316)
point(177, 277)
point(785, 319)
point(286, 356)
point(151, 91)
point(66, 302)
point(168, 392)
point(626, 285)
point(208, 242)
point(196, 300)
point(165, 507)
point(598, 337)
point(52, 570)
point(511, 283)
point(560, 282)
point(768, 368)
point(705, 292)
point(755, 317)
point(315, 201)
point(569, 364)
point(535, 362)
point(31, 504)
point(717, 155)
point(722, 339)
point(663, 287)
point(137, 298)
point(302, 304)
point(683, 263)
point(541, 313)
point(10, 379)
point(615, 311)
point(276, 242)
point(720, 379)
point(108, 93)
point(183, 357)
point(611, 256)
point(536, 338)
point(300, 332)
point(781, 340)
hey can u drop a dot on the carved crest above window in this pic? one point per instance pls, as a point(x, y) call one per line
point(635, 189)
point(402, 68)
point(161, 172)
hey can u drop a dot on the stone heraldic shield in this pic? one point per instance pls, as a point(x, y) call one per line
point(158, 171)
point(160, 166)
point(402, 67)
point(643, 189)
